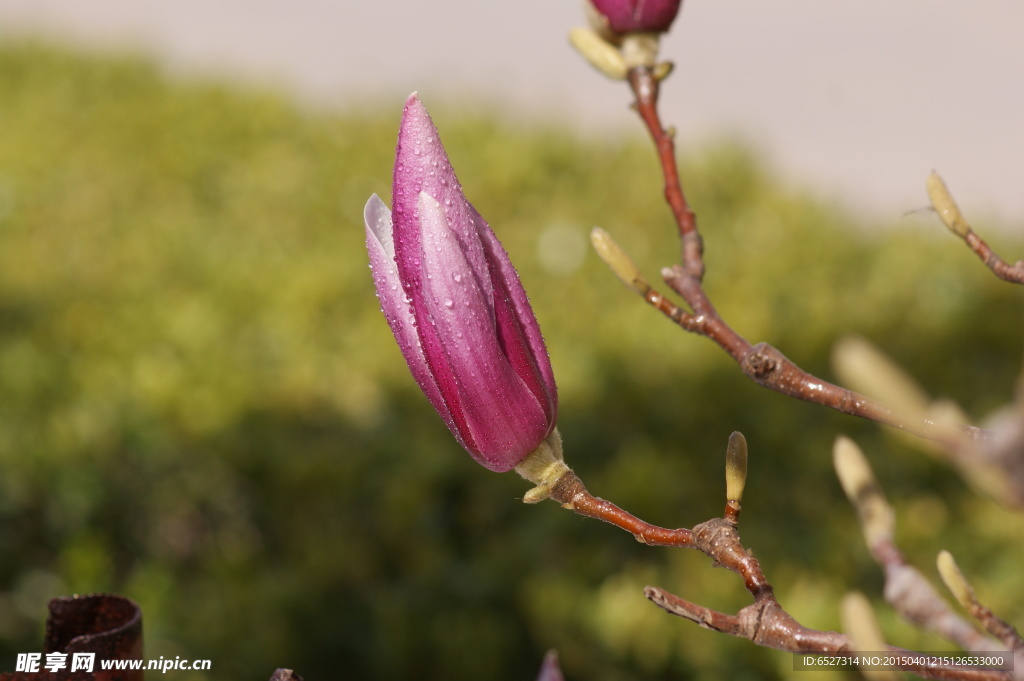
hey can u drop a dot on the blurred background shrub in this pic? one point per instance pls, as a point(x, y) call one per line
point(202, 408)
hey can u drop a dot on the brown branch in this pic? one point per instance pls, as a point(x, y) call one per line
point(765, 622)
point(646, 85)
point(768, 367)
point(717, 538)
point(570, 492)
point(1002, 269)
point(764, 364)
point(769, 626)
point(914, 598)
point(1000, 628)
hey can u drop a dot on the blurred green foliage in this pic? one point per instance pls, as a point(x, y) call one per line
point(202, 408)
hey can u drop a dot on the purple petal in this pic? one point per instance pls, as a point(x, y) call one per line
point(504, 415)
point(517, 325)
point(638, 15)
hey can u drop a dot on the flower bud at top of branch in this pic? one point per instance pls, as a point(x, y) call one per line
point(735, 467)
point(619, 262)
point(864, 368)
point(945, 206)
point(877, 519)
point(626, 16)
point(860, 625)
point(456, 306)
point(955, 581)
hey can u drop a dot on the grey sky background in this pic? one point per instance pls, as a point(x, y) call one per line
point(854, 100)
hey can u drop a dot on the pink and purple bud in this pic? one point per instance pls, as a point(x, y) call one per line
point(625, 16)
point(549, 670)
point(456, 306)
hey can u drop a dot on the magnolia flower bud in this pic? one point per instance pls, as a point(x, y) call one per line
point(626, 16)
point(456, 307)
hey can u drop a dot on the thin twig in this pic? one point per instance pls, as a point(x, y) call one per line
point(717, 538)
point(570, 492)
point(955, 221)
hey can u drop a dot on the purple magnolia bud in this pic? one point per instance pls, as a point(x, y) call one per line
point(456, 306)
point(624, 16)
point(549, 670)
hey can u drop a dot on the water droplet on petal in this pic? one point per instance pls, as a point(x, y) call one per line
point(449, 303)
point(456, 277)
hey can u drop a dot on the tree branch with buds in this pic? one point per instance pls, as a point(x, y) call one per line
point(464, 325)
point(765, 622)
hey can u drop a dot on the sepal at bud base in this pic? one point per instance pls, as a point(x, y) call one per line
point(601, 54)
point(544, 467)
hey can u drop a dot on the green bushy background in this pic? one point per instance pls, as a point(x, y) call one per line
point(202, 408)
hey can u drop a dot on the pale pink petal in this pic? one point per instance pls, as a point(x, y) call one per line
point(550, 671)
point(393, 300)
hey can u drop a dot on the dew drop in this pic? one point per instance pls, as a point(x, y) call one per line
point(456, 277)
point(449, 303)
